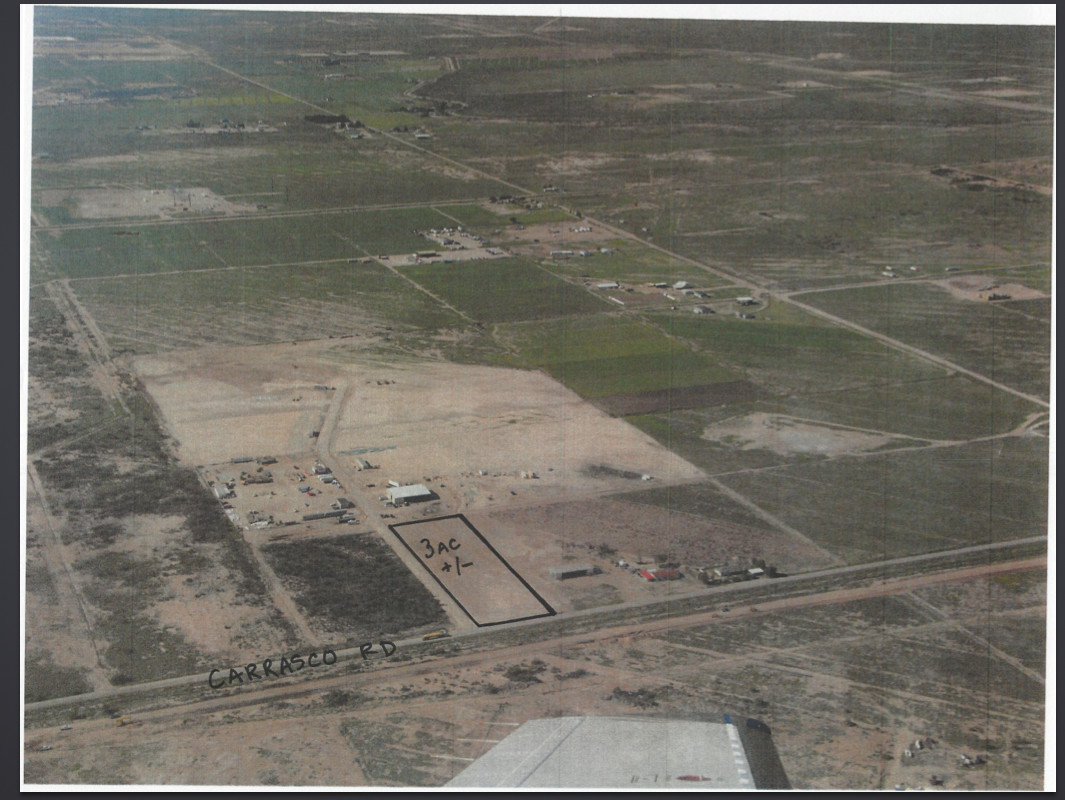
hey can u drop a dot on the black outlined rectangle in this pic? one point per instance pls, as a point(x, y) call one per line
point(489, 588)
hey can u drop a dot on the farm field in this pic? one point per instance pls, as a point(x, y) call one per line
point(233, 243)
point(607, 354)
point(598, 366)
point(486, 290)
point(366, 302)
point(912, 502)
point(1012, 346)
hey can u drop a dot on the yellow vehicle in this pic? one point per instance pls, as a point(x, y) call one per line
point(122, 722)
point(441, 634)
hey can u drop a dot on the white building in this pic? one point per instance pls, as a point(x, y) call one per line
point(414, 493)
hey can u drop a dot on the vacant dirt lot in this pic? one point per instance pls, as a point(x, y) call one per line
point(787, 435)
point(542, 238)
point(638, 533)
point(470, 570)
point(981, 287)
point(477, 429)
point(226, 403)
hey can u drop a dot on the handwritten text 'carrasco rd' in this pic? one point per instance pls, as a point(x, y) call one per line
point(220, 679)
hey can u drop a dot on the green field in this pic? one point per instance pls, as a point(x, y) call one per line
point(605, 354)
point(365, 302)
point(793, 351)
point(503, 290)
point(146, 249)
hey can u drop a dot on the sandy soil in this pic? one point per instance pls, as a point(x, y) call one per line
point(225, 403)
point(981, 287)
point(542, 238)
point(575, 164)
point(1005, 92)
point(699, 156)
point(479, 428)
point(446, 421)
point(787, 435)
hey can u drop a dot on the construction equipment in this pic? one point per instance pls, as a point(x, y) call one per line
point(122, 722)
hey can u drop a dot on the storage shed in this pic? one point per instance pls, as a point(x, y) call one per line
point(573, 571)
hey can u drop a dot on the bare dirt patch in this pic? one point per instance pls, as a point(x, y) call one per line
point(479, 429)
point(171, 157)
point(544, 238)
point(475, 431)
point(464, 562)
point(142, 48)
point(698, 156)
point(226, 403)
point(156, 203)
point(638, 533)
point(576, 164)
point(1004, 92)
point(788, 436)
point(984, 288)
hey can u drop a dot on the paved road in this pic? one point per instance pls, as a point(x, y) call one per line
point(875, 579)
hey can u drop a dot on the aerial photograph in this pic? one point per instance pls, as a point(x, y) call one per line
point(431, 398)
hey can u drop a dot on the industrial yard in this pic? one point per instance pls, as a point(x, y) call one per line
point(408, 378)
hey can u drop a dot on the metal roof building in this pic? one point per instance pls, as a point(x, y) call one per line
point(631, 753)
point(409, 494)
